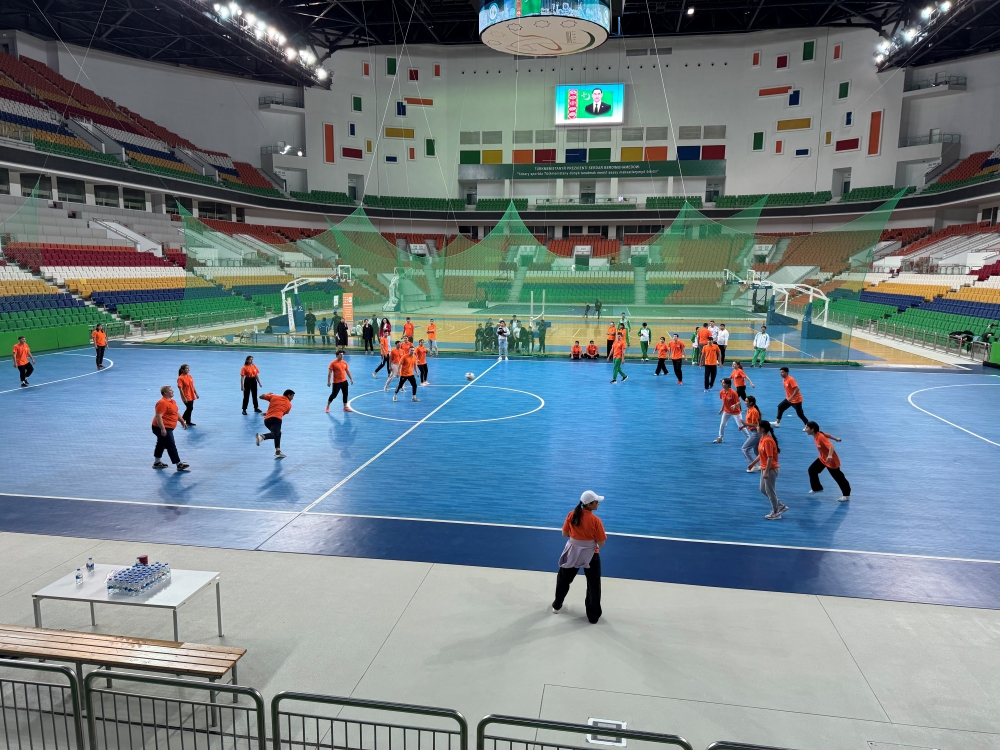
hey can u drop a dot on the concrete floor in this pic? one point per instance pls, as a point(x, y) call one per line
point(794, 671)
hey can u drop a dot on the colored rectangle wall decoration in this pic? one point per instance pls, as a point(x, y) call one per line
point(875, 133)
point(545, 156)
point(399, 132)
point(631, 153)
point(802, 152)
point(758, 141)
point(774, 91)
point(468, 157)
point(781, 62)
point(713, 152)
point(576, 156)
point(838, 50)
point(523, 156)
point(755, 60)
point(688, 153)
point(656, 153)
point(418, 102)
point(599, 154)
point(328, 149)
point(848, 144)
point(799, 123)
point(351, 153)
point(493, 156)
point(779, 147)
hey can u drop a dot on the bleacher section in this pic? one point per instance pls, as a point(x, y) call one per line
point(417, 238)
point(568, 287)
point(601, 247)
point(28, 304)
point(414, 204)
point(904, 236)
point(941, 235)
point(673, 202)
point(979, 167)
point(501, 204)
point(879, 193)
point(324, 196)
point(830, 251)
point(774, 199)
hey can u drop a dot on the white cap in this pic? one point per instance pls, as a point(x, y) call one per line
point(589, 496)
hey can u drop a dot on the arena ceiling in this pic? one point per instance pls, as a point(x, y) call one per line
point(186, 32)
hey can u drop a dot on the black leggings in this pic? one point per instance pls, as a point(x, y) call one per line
point(741, 391)
point(274, 425)
point(816, 468)
point(710, 372)
point(423, 373)
point(250, 388)
point(593, 601)
point(677, 369)
point(188, 408)
point(785, 405)
point(165, 443)
point(661, 366)
point(403, 379)
point(99, 351)
point(25, 370)
point(610, 344)
point(338, 388)
point(383, 363)
point(369, 345)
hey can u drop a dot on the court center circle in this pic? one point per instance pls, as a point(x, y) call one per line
point(541, 404)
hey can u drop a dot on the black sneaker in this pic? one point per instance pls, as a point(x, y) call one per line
point(182, 466)
point(159, 465)
point(244, 413)
point(257, 411)
point(624, 378)
point(192, 424)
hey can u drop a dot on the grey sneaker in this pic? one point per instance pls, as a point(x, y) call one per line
point(773, 516)
point(843, 498)
point(782, 507)
point(394, 397)
point(279, 454)
point(717, 440)
point(414, 399)
point(259, 438)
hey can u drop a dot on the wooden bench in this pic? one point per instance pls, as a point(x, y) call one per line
point(120, 652)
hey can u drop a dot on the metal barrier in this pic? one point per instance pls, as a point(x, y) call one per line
point(739, 746)
point(300, 731)
point(120, 720)
point(491, 742)
point(40, 715)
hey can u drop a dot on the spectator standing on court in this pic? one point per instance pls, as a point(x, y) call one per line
point(598, 305)
point(278, 407)
point(586, 312)
point(627, 322)
point(100, 339)
point(761, 341)
point(311, 327)
point(336, 379)
point(480, 338)
point(249, 380)
point(768, 455)
point(385, 329)
point(502, 332)
point(792, 400)
point(368, 336)
point(23, 360)
point(341, 333)
point(713, 330)
point(722, 339)
point(612, 333)
point(185, 384)
point(829, 460)
point(527, 339)
point(645, 334)
point(542, 330)
point(709, 360)
point(585, 537)
point(489, 336)
point(324, 332)
point(165, 419)
point(432, 338)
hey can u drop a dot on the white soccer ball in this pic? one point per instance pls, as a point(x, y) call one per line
point(470, 376)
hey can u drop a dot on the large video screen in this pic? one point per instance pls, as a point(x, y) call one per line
point(497, 11)
point(590, 104)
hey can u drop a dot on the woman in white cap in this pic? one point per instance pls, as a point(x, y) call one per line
point(586, 536)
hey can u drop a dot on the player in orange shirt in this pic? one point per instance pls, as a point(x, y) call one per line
point(749, 426)
point(336, 378)
point(677, 357)
point(829, 460)
point(185, 384)
point(432, 338)
point(421, 353)
point(100, 339)
point(408, 329)
point(249, 380)
point(662, 350)
point(740, 379)
point(731, 407)
point(406, 344)
point(585, 538)
point(709, 360)
point(576, 352)
point(769, 451)
point(618, 350)
point(23, 361)
point(591, 351)
point(792, 400)
point(612, 333)
point(278, 407)
point(165, 419)
point(383, 347)
point(406, 364)
point(395, 356)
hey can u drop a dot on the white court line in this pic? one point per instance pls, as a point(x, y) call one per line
point(61, 380)
point(382, 452)
point(138, 502)
point(541, 405)
point(958, 427)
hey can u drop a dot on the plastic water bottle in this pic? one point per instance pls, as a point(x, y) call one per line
point(90, 564)
point(79, 576)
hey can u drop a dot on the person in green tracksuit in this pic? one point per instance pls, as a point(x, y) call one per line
point(618, 351)
point(694, 347)
point(627, 322)
point(645, 334)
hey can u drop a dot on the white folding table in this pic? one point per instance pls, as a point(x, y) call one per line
point(171, 594)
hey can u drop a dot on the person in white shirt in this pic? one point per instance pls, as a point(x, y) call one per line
point(722, 339)
point(713, 329)
point(645, 334)
point(502, 333)
point(760, 343)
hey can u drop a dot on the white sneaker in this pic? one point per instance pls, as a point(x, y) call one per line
point(279, 454)
point(843, 498)
point(414, 399)
point(717, 440)
point(394, 397)
point(751, 471)
point(374, 374)
point(259, 438)
point(773, 516)
point(556, 611)
point(814, 492)
point(776, 424)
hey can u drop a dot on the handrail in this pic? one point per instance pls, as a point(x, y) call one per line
point(563, 726)
point(926, 140)
point(404, 708)
point(74, 689)
point(726, 745)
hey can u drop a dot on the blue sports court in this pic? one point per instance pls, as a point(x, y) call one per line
point(483, 472)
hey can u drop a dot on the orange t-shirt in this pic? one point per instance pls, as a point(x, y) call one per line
point(421, 352)
point(590, 528)
point(185, 383)
point(339, 369)
point(432, 331)
point(406, 365)
point(278, 406)
point(739, 376)
point(249, 371)
point(825, 447)
point(676, 349)
point(592, 350)
point(711, 353)
point(661, 350)
point(408, 329)
point(790, 385)
point(576, 350)
point(166, 409)
point(730, 401)
point(100, 338)
point(618, 350)
point(395, 355)
point(768, 448)
point(704, 335)
point(21, 352)
point(612, 332)
point(753, 417)
point(406, 346)
point(383, 344)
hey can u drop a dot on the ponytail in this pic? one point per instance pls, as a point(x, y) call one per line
point(766, 428)
point(577, 515)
